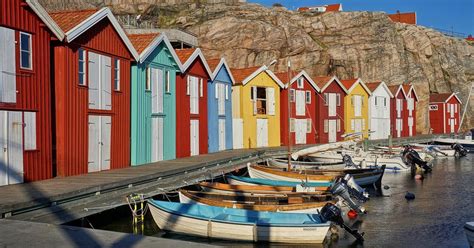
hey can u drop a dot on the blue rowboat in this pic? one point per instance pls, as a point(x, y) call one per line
point(238, 224)
point(260, 181)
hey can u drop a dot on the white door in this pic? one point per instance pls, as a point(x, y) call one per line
point(332, 130)
point(451, 124)
point(262, 132)
point(100, 130)
point(238, 133)
point(398, 127)
point(357, 125)
point(157, 139)
point(194, 137)
point(332, 104)
point(105, 145)
point(11, 145)
point(300, 131)
point(222, 134)
point(410, 126)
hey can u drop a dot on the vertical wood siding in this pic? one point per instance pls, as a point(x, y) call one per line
point(323, 113)
point(72, 105)
point(141, 136)
point(310, 113)
point(404, 115)
point(33, 87)
point(183, 115)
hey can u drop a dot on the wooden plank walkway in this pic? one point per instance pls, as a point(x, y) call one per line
point(60, 200)
point(27, 234)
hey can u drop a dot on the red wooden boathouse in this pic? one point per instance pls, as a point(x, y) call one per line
point(25, 91)
point(191, 103)
point(91, 92)
point(409, 124)
point(303, 97)
point(399, 110)
point(444, 113)
point(330, 109)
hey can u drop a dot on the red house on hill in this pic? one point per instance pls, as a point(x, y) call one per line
point(92, 92)
point(444, 113)
point(330, 109)
point(408, 18)
point(303, 97)
point(25, 91)
point(409, 125)
point(191, 103)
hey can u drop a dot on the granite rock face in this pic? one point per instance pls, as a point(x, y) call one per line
point(346, 44)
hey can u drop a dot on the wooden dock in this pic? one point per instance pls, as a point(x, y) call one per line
point(61, 200)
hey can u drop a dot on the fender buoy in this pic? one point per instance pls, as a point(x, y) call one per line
point(409, 196)
point(352, 214)
point(419, 177)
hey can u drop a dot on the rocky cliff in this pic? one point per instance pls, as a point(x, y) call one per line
point(346, 44)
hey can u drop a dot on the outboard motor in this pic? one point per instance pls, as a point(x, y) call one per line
point(342, 190)
point(459, 150)
point(412, 157)
point(348, 161)
point(354, 189)
point(331, 212)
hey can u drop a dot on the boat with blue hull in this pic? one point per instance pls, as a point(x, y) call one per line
point(238, 224)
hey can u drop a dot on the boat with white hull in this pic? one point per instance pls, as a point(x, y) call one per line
point(238, 224)
point(283, 163)
point(466, 143)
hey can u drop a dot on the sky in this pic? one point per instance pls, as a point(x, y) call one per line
point(450, 15)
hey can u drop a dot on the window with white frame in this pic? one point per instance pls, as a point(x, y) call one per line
point(308, 126)
point(167, 82)
point(300, 82)
point(117, 74)
point(148, 79)
point(308, 97)
point(82, 67)
point(292, 95)
point(25, 51)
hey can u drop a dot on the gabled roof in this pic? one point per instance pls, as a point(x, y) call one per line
point(303, 73)
point(442, 97)
point(334, 7)
point(397, 88)
point(350, 85)
point(374, 85)
point(324, 81)
point(75, 23)
point(216, 64)
point(243, 75)
point(48, 21)
point(408, 88)
point(145, 44)
point(188, 55)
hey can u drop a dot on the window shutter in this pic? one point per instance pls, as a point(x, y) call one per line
point(455, 108)
point(449, 107)
point(188, 85)
point(292, 125)
point(168, 82)
point(154, 90)
point(270, 97)
point(201, 87)
point(338, 125)
point(254, 95)
point(94, 80)
point(352, 100)
point(216, 89)
point(30, 130)
point(7, 65)
point(106, 83)
point(308, 97)
point(326, 125)
point(227, 92)
point(308, 125)
point(160, 89)
point(147, 83)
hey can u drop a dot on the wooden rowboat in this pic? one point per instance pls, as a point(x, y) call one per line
point(362, 177)
point(238, 224)
point(283, 163)
point(272, 203)
point(302, 186)
point(252, 190)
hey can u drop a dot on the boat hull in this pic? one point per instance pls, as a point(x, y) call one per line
point(391, 164)
point(469, 229)
point(301, 165)
point(468, 144)
point(210, 228)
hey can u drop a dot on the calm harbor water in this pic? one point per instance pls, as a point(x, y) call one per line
point(444, 202)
